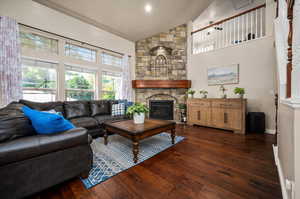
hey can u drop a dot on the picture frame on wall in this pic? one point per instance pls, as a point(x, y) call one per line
point(221, 75)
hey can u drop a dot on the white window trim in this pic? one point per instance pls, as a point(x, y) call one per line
point(100, 79)
point(61, 59)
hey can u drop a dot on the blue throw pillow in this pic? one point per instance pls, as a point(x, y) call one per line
point(47, 123)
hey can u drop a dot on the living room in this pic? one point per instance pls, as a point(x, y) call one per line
point(149, 99)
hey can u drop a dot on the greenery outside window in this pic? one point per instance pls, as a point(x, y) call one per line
point(111, 60)
point(79, 52)
point(79, 83)
point(111, 85)
point(38, 42)
point(39, 80)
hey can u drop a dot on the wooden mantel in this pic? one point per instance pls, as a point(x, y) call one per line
point(161, 83)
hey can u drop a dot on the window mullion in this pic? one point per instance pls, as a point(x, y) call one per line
point(61, 71)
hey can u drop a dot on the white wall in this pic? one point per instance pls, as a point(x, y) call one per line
point(36, 15)
point(257, 74)
point(257, 65)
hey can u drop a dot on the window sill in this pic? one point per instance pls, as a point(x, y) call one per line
point(291, 102)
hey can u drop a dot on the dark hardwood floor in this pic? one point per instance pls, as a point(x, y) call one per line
point(208, 164)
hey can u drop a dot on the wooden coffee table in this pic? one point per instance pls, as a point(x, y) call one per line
point(137, 132)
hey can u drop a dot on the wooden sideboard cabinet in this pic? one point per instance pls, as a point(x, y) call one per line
point(229, 114)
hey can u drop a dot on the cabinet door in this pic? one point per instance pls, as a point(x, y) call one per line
point(192, 114)
point(199, 115)
point(218, 119)
point(233, 118)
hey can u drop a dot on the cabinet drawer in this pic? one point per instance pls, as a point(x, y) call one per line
point(224, 104)
point(199, 103)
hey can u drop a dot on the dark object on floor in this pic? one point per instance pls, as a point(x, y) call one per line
point(256, 122)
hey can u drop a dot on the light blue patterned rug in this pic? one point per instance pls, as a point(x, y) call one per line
point(117, 156)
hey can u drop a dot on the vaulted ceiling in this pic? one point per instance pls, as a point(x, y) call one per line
point(127, 18)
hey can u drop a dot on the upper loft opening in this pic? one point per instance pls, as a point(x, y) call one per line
point(228, 23)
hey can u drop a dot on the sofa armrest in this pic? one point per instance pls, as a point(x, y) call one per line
point(32, 146)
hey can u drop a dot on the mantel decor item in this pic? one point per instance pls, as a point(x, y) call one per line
point(138, 111)
point(203, 93)
point(223, 75)
point(223, 90)
point(240, 92)
point(191, 93)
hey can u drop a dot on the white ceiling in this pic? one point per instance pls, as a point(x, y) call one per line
point(127, 18)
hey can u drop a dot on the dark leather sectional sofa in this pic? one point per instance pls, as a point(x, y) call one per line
point(30, 163)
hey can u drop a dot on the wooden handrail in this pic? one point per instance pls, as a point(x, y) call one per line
point(229, 18)
point(290, 17)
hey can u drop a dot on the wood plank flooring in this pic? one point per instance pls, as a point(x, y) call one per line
point(208, 164)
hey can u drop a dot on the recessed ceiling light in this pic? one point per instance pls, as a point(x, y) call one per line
point(148, 8)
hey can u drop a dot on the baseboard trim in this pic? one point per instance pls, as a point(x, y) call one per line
point(280, 173)
point(270, 131)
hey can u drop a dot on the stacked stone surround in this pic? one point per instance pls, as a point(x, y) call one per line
point(176, 39)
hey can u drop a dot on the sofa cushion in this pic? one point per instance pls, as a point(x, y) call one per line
point(100, 107)
point(32, 146)
point(103, 118)
point(77, 109)
point(46, 106)
point(85, 122)
point(13, 123)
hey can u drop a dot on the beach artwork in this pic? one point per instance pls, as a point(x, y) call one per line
point(223, 75)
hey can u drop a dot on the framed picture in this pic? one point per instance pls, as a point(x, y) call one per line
point(223, 75)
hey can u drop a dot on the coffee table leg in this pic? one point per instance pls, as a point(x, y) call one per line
point(135, 150)
point(105, 136)
point(173, 134)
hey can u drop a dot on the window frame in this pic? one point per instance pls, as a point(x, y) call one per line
point(112, 55)
point(25, 48)
point(61, 59)
point(52, 90)
point(92, 71)
point(80, 46)
point(101, 88)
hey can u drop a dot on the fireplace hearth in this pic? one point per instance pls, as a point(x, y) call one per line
point(161, 109)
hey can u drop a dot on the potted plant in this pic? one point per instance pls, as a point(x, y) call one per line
point(240, 92)
point(191, 93)
point(138, 111)
point(203, 93)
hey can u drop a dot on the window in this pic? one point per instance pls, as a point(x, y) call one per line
point(111, 85)
point(78, 52)
point(39, 80)
point(38, 42)
point(80, 83)
point(111, 60)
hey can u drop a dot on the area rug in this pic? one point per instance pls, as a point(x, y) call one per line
point(111, 159)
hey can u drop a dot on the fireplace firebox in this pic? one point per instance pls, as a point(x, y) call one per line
point(161, 109)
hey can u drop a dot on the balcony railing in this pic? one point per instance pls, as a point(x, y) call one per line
point(245, 26)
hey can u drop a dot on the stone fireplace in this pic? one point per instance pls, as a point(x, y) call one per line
point(162, 57)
